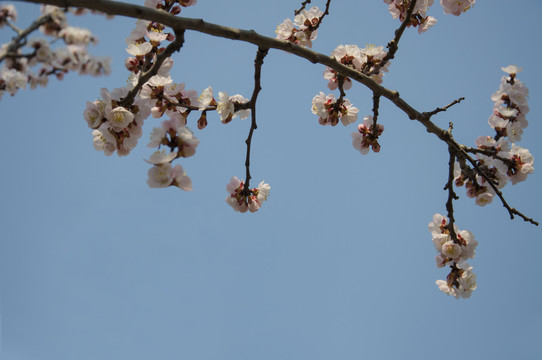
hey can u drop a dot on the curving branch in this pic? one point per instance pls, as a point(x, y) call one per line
point(264, 42)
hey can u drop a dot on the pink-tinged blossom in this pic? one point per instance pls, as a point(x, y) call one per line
point(158, 137)
point(307, 19)
point(225, 107)
point(460, 283)
point(468, 244)
point(57, 20)
point(510, 69)
point(139, 32)
point(180, 179)
point(243, 201)
point(371, 57)
point(160, 176)
point(186, 142)
point(120, 117)
point(161, 157)
point(303, 30)
point(451, 250)
point(520, 163)
point(426, 24)
point(330, 112)
point(441, 260)
point(42, 48)
point(366, 137)
point(12, 80)
point(466, 281)
point(156, 35)
point(349, 55)
point(163, 175)
point(439, 225)
point(94, 114)
point(445, 288)
point(77, 36)
point(104, 140)
point(206, 99)
point(456, 7)
point(139, 49)
point(331, 75)
point(399, 8)
point(286, 30)
point(7, 13)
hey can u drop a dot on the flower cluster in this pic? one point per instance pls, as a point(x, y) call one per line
point(303, 30)
point(364, 60)
point(419, 18)
point(367, 136)
point(498, 159)
point(454, 247)
point(18, 70)
point(117, 118)
point(116, 128)
point(510, 106)
point(330, 110)
point(241, 199)
point(398, 9)
point(175, 135)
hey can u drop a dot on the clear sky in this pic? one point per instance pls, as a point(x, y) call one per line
point(338, 263)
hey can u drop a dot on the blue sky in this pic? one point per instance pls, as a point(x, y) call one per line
point(337, 264)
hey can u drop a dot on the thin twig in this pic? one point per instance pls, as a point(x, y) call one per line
point(13, 27)
point(258, 62)
point(512, 211)
point(440, 109)
point(19, 40)
point(170, 49)
point(376, 105)
point(393, 45)
point(250, 36)
point(451, 194)
point(303, 4)
point(326, 12)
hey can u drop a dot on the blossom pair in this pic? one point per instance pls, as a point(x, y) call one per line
point(243, 200)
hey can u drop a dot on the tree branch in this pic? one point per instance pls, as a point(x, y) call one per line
point(303, 4)
point(250, 36)
point(258, 62)
point(170, 49)
point(440, 109)
point(393, 45)
point(18, 40)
